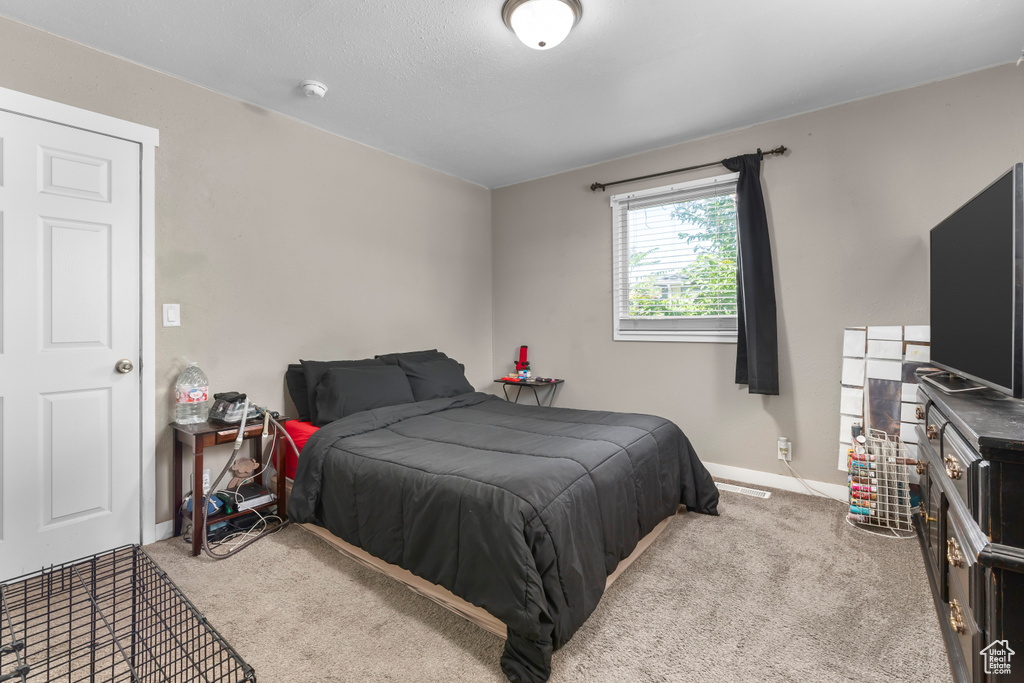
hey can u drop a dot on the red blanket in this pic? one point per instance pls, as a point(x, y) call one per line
point(300, 433)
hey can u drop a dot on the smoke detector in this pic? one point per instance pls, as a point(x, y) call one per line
point(313, 88)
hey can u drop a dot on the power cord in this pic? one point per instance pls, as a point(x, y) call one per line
point(238, 536)
point(811, 488)
point(268, 419)
point(846, 503)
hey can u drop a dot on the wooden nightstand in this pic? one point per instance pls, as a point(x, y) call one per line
point(198, 437)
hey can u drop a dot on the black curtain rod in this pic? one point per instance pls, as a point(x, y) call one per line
point(601, 186)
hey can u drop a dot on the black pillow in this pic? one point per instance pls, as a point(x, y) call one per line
point(438, 378)
point(410, 356)
point(295, 378)
point(314, 371)
point(344, 391)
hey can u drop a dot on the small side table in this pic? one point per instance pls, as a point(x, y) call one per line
point(198, 437)
point(532, 385)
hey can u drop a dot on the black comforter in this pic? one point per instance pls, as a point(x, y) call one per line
point(521, 510)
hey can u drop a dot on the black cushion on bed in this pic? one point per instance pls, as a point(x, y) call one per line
point(438, 378)
point(344, 391)
point(410, 356)
point(314, 371)
point(295, 378)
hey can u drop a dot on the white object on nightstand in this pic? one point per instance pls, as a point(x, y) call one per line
point(172, 315)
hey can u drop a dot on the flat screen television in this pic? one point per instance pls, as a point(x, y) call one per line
point(977, 287)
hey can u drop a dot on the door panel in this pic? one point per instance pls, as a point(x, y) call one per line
point(3, 290)
point(77, 455)
point(76, 284)
point(70, 470)
point(3, 546)
point(74, 175)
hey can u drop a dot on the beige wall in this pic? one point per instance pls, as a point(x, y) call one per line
point(850, 208)
point(344, 251)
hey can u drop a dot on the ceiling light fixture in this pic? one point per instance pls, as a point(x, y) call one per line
point(541, 24)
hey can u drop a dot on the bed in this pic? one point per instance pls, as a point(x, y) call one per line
point(523, 511)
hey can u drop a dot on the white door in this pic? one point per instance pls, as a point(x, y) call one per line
point(70, 424)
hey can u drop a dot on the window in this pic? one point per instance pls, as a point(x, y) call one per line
point(674, 252)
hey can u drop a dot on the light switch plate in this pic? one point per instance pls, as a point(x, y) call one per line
point(172, 315)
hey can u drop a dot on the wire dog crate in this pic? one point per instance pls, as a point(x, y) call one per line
point(115, 616)
point(880, 483)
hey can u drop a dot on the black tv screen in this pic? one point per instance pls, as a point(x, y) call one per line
point(976, 287)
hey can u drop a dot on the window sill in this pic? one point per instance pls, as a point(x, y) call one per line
point(693, 336)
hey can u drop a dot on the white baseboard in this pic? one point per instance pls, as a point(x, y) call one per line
point(164, 530)
point(777, 481)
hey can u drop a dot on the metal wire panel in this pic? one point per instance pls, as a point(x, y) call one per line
point(115, 616)
point(880, 483)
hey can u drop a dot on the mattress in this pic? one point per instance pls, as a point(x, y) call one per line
point(521, 510)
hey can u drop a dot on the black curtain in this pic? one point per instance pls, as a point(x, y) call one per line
point(757, 348)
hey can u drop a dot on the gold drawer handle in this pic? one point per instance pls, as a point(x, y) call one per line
point(956, 617)
point(952, 468)
point(922, 467)
point(932, 432)
point(926, 519)
point(919, 412)
point(953, 554)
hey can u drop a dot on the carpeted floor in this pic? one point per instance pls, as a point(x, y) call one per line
point(772, 590)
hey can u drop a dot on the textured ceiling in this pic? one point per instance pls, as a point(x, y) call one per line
point(447, 85)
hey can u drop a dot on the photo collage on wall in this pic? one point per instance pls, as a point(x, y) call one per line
point(879, 384)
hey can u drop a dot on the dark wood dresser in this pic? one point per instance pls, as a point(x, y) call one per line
point(971, 528)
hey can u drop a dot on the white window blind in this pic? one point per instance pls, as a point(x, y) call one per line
point(674, 262)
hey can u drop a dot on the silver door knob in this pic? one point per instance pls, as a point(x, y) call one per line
point(124, 366)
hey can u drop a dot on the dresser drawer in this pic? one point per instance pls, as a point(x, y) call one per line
point(965, 629)
point(931, 487)
point(931, 519)
point(930, 430)
point(927, 450)
point(959, 557)
point(957, 459)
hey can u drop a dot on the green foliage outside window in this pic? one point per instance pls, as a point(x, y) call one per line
point(707, 284)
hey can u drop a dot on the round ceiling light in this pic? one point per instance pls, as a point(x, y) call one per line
point(541, 24)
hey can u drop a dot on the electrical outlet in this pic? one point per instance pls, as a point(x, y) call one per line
point(206, 482)
point(785, 449)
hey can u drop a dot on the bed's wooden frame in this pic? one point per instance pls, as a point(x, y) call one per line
point(446, 598)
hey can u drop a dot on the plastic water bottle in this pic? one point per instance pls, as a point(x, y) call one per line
point(192, 394)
